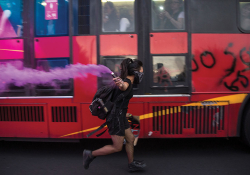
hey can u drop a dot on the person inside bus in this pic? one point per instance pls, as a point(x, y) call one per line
point(173, 16)
point(181, 66)
point(126, 24)
point(245, 16)
point(50, 27)
point(110, 18)
point(162, 76)
point(119, 128)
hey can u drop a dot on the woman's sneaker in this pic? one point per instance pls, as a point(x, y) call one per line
point(87, 158)
point(136, 166)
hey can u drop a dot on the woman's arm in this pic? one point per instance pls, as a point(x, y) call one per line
point(177, 23)
point(121, 84)
point(124, 24)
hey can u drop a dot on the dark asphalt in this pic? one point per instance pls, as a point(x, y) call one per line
point(163, 156)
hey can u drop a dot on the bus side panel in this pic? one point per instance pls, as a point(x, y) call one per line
point(220, 62)
point(167, 43)
point(233, 119)
point(51, 47)
point(84, 52)
point(123, 44)
point(11, 49)
point(63, 120)
point(181, 120)
point(234, 100)
point(24, 121)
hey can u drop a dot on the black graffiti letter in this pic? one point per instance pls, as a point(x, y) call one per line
point(197, 67)
point(232, 69)
point(236, 88)
point(205, 54)
point(242, 76)
point(243, 61)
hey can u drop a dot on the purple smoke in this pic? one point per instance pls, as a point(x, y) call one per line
point(20, 77)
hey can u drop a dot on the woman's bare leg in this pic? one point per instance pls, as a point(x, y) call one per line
point(109, 149)
point(129, 144)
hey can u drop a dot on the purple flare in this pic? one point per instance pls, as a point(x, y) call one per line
point(10, 74)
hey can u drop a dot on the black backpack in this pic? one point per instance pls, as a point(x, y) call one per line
point(102, 105)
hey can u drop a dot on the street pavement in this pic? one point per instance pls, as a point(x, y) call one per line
point(206, 156)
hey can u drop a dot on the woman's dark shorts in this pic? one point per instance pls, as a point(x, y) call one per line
point(120, 125)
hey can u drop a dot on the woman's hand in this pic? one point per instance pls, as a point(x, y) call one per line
point(105, 18)
point(121, 84)
point(167, 15)
point(118, 82)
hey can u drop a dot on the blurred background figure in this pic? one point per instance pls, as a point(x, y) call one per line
point(126, 23)
point(182, 67)
point(173, 15)
point(245, 16)
point(162, 76)
point(110, 18)
point(50, 27)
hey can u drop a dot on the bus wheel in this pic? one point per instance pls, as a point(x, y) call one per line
point(246, 128)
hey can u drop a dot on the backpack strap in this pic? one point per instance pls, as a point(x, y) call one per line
point(121, 96)
point(98, 129)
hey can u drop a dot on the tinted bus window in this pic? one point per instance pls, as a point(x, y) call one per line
point(57, 87)
point(11, 18)
point(245, 15)
point(168, 15)
point(51, 17)
point(81, 9)
point(10, 88)
point(118, 16)
point(169, 70)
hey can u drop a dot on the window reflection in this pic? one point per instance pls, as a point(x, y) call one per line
point(168, 70)
point(118, 16)
point(51, 22)
point(245, 15)
point(10, 18)
point(168, 15)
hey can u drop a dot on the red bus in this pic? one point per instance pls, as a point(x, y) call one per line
point(196, 62)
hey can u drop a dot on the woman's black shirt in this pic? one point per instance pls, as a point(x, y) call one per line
point(123, 103)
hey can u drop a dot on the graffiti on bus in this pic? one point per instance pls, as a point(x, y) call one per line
point(230, 71)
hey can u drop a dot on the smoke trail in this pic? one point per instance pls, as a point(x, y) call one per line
point(11, 74)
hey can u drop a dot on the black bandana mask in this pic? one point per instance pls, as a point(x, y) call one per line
point(138, 77)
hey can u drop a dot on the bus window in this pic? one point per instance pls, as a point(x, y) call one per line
point(169, 70)
point(10, 88)
point(168, 15)
point(81, 10)
point(11, 18)
point(118, 16)
point(57, 87)
point(245, 15)
point(51, 17)
point(113, 63)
